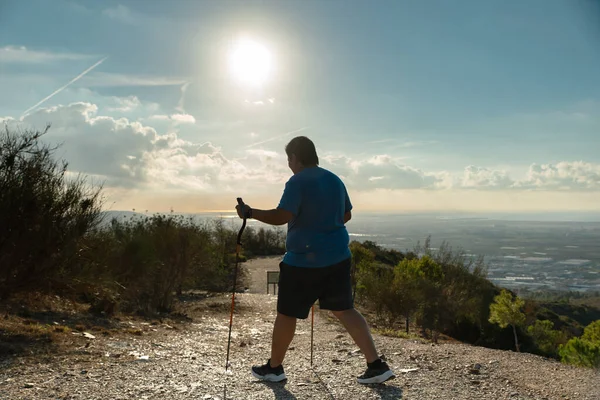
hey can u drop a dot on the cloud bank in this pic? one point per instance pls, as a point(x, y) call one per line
point(135, 157)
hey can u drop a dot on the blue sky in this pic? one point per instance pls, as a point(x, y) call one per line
point(465, 105)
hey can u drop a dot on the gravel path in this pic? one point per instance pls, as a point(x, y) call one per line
point(186, 361)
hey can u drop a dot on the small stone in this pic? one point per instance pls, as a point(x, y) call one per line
point(28, 385)
point(475, 369)
point(83, 372)
point(89, 335)
point(406, 370)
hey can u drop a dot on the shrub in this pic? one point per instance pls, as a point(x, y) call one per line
point(44, 214)
point(145, 262)
point(445, 291)
point(584, 351)
point(581, 353)
point(545, 337)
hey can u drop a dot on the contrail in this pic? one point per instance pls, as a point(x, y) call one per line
point(278, 137)
point(62, 88)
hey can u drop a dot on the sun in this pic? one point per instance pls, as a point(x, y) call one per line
point(250, 62)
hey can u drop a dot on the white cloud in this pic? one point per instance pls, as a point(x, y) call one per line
point(483, 178)
point(576, 175)
point(125, 104)
point(183, 118)
point(129, 154)
point(177, 119)
point(180, 104)
point(137, 158)
point(382, 171)
point(21, 54)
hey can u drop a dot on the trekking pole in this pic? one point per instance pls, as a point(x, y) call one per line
point(237, 260)
point(312, 323)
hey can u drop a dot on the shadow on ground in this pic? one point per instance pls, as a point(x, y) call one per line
point(279, 390)
point(386, 392)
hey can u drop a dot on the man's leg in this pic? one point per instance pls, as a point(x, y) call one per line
point(357, 327)
point(283, 333)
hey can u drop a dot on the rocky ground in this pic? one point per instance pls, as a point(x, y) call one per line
point(186, 360)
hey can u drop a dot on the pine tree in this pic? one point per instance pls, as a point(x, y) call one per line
point(505, 311)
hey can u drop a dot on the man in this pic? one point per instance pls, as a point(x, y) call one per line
point(317, 262)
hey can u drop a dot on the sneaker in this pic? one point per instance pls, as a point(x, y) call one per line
point(268, 373)
point(377, 372)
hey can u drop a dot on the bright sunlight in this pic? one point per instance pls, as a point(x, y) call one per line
point(251, 62)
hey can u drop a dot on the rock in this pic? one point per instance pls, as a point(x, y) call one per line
point(475, 369)
point(406, 370)
point(89, 335)
point(354, 352)
point(28, 385)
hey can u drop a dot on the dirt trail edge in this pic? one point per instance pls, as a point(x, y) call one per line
point(187, 361)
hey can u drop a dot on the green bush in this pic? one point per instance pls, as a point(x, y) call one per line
point(145, 262)
point(52, 240)
point(445, 291)
point(591, 332)
point(584, 351)
point(44, 214)
point(545, 337)
point(581, 353)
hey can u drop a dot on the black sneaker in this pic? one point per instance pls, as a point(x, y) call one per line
point(268, 373)
point(377, 372)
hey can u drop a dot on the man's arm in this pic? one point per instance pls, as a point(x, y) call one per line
point(347, 216)
point(276, 216)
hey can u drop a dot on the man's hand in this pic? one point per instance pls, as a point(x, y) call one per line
point(244, 212)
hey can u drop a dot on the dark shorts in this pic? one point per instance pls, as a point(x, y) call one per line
point(299, 288)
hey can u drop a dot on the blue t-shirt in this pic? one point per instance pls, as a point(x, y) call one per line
point(317, 235)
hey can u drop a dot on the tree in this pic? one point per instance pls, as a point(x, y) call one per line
point(505, 311)
point(591, 332)
point(418, 283)
point(545, 336)
point(579, 352)
point(584, 351)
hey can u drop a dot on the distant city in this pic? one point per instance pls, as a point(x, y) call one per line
point(550, 251)
point(537, 252)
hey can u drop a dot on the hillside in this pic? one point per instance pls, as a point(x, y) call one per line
point(185, 358)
